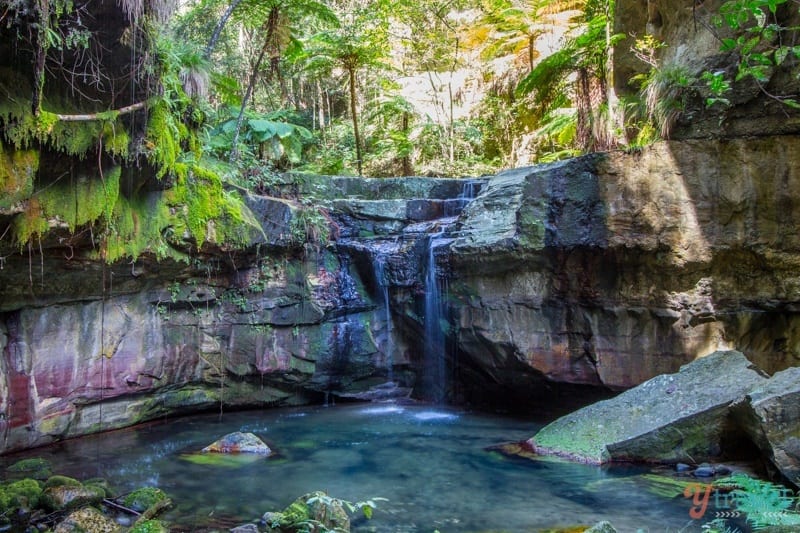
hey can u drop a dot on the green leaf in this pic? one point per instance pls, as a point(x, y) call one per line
point(780, 54)
point(728, 44)
point(367, 510)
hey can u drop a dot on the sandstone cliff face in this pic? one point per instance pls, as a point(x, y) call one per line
point(600, 272)
point(693, 45)
point(611, 269)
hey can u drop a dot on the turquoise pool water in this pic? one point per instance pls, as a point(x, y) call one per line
point(432, 464)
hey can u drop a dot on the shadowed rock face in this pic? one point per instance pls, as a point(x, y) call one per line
point(609, 270)
point(770, 414)
point(592, 274)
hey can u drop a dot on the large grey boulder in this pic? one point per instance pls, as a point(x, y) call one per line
point(771, 416)
point(670, 418)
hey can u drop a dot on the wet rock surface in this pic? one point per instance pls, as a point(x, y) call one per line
point(770, 414)
point(553, 284)
point(670, 418)
point(238, 442)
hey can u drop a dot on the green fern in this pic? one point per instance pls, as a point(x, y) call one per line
point(764, 503)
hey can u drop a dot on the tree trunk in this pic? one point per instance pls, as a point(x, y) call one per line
point(320, 105)
point(531, 52)
point(406, 162)
point(41, 56)
point(270, 27)
point(219, 27)
point(351, 71)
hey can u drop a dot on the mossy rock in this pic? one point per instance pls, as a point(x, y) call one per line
point(602, 527)
point(22, 495)
point(62, 497)
point(323, 509)
point(61, 481)
point(144, 498)
point(87, 520)
point(100, 484)
point(224, 460)
point(35, 468)
point(149, 526)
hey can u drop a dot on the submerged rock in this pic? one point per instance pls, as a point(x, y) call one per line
point(34, 468)
point(771, 417)
point(239, 442)
point(143, 499)
point(670, 418)
point(602, 527)
point(317, 506)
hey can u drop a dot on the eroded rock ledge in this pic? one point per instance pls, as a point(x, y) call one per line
point(601, 272)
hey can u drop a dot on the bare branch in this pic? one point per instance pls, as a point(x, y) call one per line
point(104, 114)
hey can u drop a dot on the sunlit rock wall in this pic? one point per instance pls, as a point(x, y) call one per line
point(610, 269)
point(692, 45)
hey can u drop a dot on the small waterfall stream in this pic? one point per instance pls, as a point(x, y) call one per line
point(406, 264)
point(434, 377)
point(437, 359)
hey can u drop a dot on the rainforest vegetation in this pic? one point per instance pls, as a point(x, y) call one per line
point(137, 126)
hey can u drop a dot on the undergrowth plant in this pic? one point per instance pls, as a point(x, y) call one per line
point(764, 503)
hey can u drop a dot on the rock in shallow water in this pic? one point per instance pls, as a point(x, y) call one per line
point(239, 442)
point(87, 520)
point(669, 418)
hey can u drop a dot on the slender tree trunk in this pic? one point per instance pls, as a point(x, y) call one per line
point(219, 27)
point(320, 105)
point(406, 162)
point(531, 52)
point(351, 71)
point(270, 27)
point(41, 56)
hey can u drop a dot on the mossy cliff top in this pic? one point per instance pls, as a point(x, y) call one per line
point(111, 152)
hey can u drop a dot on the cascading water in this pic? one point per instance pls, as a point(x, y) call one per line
point(436, 375)
point(435, 320)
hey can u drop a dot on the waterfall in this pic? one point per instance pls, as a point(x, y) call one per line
point(434, 377)
point(437, 362)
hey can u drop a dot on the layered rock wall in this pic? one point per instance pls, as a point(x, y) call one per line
point(611, 269)
point(597, 272)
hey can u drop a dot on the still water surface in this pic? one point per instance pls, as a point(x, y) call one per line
point(430, 463)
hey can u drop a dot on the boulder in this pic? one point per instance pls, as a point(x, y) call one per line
point(770, 415)
point(145, 499)
point(87, 520)
point(670, 418)
point(239, 442)
point(317, 506)
point(61, 497)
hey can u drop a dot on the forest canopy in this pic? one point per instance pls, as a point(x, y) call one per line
point(139, 127)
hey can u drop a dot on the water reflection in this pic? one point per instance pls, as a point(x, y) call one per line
point(431, 464)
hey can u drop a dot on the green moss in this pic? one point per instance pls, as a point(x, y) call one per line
point(149, 526)
point(224, 460)
point(30, 465)
point(30, 223)
point(164, 135)
point(144, 498)
point(17, 172)
point(61, 481)
point(22, 494)
point(85, 200)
